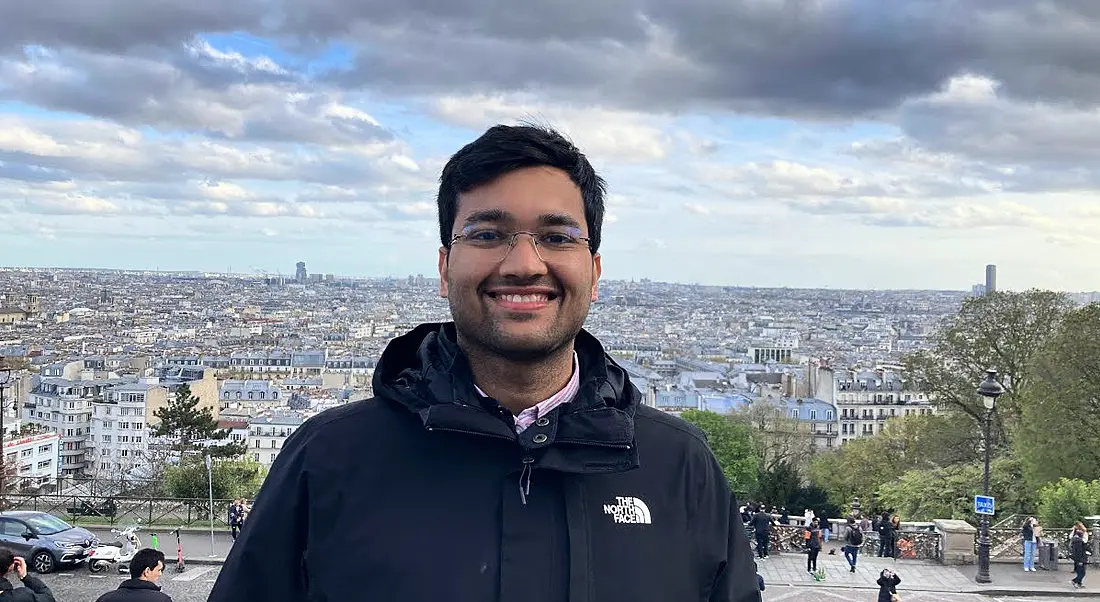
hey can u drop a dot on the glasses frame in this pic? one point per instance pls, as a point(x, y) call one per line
point(512, 237)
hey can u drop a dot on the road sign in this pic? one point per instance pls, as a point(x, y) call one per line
point(983, 504)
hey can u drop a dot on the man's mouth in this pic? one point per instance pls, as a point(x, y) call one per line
point(523, 302)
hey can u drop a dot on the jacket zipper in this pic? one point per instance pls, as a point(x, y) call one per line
point(524, 475)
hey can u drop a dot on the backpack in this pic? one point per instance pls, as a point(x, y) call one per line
point(855, 536)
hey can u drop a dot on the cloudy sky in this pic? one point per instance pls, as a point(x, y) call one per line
point(839, 143)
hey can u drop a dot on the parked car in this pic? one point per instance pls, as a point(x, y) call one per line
point(46, 541)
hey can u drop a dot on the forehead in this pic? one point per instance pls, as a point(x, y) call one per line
point(524, 195)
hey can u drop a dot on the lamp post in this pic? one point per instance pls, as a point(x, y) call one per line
point(5, 379)
point(989, 391)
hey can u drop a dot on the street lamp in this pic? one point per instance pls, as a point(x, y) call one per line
point(989, 391)
point(5, 378)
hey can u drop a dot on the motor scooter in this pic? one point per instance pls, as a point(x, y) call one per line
point(119, 552)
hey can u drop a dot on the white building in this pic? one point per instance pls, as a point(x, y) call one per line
point(34, 460)
point(65, 407)
point(119, 441)
point(268, 433)
point(234, 391)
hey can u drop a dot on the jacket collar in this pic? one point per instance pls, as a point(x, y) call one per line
point(139, 584)
point(426, 372)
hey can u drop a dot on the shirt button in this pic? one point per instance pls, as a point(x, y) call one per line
point(539, 438)
point(542, 421)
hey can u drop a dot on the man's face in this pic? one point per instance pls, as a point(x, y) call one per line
point(153, 574)
point(556, 289)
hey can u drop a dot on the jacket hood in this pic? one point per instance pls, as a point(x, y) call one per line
point(425, 372)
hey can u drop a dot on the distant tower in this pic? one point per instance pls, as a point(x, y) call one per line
point(990, 279)
point(300, 274)
point(32, 304)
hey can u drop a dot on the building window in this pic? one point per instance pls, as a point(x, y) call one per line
point(813, 414)
point(794, 413)
point(828, 414)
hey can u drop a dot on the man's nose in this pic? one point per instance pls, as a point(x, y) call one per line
point(522, 258)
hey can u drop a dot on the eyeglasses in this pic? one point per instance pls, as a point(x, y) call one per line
point(550, 245)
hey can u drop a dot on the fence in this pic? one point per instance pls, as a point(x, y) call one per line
point(88, 509)
point(1008, 543)
point(911, 544)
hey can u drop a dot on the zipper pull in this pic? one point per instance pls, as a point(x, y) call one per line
point(525, 479)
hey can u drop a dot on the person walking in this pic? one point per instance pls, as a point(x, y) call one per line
point(33, 590)
point(146, 568)
point(1027, 532)
point(826, 526)
point(762, 527)
point(813, 546)
point(236, 517)
point(853, 539)
point(1078, 551)
point(505, 456)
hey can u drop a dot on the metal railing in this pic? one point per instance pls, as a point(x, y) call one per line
point(910, 544)
point(99, 510)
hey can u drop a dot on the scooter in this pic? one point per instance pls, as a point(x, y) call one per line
point(180, 565)
point(119, 552)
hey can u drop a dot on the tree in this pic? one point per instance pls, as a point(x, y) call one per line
point(1060, 413)
point(191, 428)
point(779, 486)
point(732, 446)
point(1003, 330)
point(1068, 500)
point(777, 438)
point(230, 479)
point(948, 492)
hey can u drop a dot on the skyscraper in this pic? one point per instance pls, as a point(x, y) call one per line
point(990, 279)
point(300, 274)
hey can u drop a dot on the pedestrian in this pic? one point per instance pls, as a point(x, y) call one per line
point(236, 517)
point(885, 534)
point(826, 526)
point(888, 582)
point(784, 516)
point(813, 546)
point(762, 526)
point(145, 571)
point(895, 533)
point(853, 539)
point(1078, 552)
point(505, 456)
point(33, 589)
point(1027, 532)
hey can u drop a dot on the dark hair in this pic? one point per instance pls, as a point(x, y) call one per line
point(7, 558)
point(146, 558)
point(503, 149)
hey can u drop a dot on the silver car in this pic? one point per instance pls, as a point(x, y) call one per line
point(45, 540)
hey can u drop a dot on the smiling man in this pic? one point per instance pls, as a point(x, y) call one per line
point(505, 455)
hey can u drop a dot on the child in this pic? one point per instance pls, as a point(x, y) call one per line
point(888, 586)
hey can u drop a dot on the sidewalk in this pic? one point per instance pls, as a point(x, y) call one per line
point(921, 575)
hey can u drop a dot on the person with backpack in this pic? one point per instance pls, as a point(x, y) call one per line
point(852, 542)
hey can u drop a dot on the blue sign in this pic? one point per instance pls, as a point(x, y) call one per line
point(983, 504)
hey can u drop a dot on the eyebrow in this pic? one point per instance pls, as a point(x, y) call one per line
point(500, 215)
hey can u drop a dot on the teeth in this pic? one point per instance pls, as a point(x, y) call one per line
point(524, 298)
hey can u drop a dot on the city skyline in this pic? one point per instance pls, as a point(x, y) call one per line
point(812, 150)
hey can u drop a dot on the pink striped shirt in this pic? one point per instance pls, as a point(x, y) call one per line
point(527, 417)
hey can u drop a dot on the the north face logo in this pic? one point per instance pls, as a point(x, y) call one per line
point(629, 510)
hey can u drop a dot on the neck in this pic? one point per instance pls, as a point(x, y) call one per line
point(519, 385)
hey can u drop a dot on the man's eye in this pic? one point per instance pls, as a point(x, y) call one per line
point(557, 238)
point(485, 235)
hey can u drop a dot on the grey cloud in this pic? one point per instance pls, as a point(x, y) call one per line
point(220, 97)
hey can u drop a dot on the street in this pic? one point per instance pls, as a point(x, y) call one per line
point(831, 594)
point(195, 544)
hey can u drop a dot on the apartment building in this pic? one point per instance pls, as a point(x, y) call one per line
point(33, 461)
point(867, 400)
point(119, 440)
point(268, 433)
point(64, 407)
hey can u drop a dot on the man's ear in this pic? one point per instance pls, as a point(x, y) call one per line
point(444, 255)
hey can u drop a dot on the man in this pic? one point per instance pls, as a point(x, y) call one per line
point(236, 517)
point(34, 590)
point(505, 455)
point(853, 539)
point(145, 570)
point(762, 524)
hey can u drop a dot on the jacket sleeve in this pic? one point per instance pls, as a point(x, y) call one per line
point(719, 525)
point(39, 590)
point(266, 562)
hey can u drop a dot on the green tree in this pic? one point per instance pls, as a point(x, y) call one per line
point(1059, 431)
point(948, 492)
point(191, 428)
point(779, 486)
point(777, 438)
point(1068, 500)
point(1003, 330)
point(732, 446)
point(230, 479)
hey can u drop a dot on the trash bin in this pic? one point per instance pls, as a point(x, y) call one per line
point(1048, 556)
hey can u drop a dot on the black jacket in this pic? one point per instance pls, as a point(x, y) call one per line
point(135, 590)
point(886, 587)
point(425, 493)
point(35, 591)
